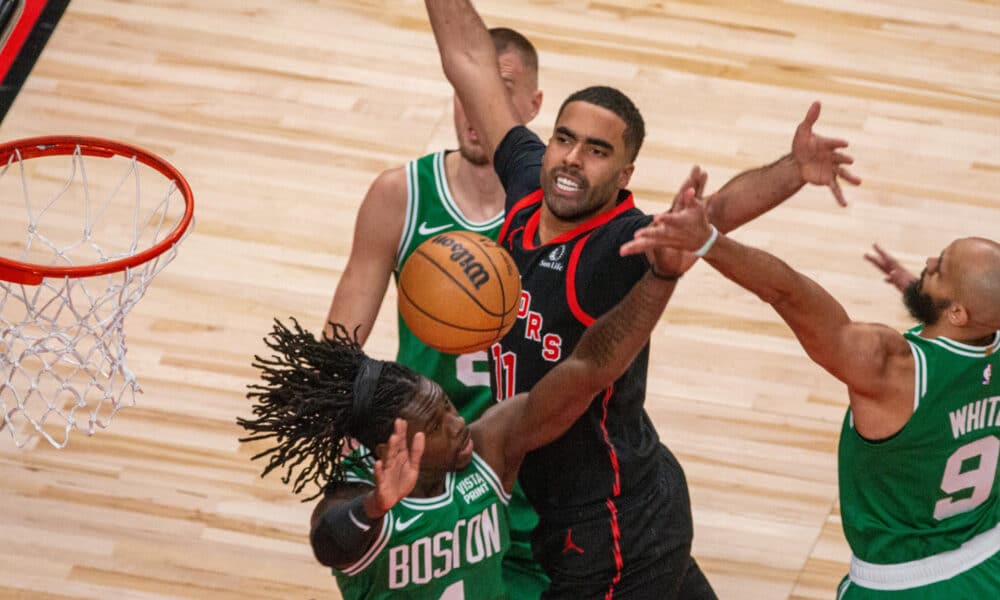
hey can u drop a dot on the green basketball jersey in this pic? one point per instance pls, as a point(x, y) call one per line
point(927, 500)
point(430, 210)
point(450, 547)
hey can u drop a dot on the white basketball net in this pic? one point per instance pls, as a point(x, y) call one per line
point(62, 342)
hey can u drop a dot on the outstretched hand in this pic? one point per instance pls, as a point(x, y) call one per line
point(696, 180)
point(895, 273)
point(396, 473)
point(671, 239)
point(817, 157)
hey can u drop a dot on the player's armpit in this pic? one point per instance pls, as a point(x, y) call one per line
point(499, 437)
point(871, 359)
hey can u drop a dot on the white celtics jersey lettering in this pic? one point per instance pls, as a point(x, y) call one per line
point(437, 548)
point(427, 558)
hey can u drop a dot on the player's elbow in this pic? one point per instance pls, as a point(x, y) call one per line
point(322, 555)
point(324, 548)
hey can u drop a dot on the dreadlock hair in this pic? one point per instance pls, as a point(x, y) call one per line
point(306, 405)
point(618, 103)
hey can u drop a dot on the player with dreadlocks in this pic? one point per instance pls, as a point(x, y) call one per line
point(429, 519)
point(316, 379)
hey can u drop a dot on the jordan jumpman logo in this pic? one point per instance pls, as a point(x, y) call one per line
point(569, 545)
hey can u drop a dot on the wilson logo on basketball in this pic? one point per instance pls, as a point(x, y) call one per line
point(458, 292)
point(460, 255)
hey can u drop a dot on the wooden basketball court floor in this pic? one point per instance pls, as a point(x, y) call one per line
point(281, 113)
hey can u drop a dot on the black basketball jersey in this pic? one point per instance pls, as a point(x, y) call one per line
point(567, 284)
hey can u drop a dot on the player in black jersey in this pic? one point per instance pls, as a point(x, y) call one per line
point(615, 520)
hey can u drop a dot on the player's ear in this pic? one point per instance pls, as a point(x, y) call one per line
point(957, 314)
point(625, 176)
point(536, 105)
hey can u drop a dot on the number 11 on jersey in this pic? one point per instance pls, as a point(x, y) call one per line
point(504, 370)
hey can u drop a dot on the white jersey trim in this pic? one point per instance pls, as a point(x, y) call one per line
point(919, 374)
point(439, 501)
point(388, 522)
point(491, 478)
point(925, 571)
point(410, 225)
point(843, 588)
point(451, 206)
point(963, 349)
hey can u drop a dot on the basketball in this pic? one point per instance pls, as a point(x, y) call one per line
point(459, 292)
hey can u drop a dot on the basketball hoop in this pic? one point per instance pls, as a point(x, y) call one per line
point(90, 237)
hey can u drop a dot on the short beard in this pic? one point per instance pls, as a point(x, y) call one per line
point(922, 306)
point(577, 213)
point(478, 159)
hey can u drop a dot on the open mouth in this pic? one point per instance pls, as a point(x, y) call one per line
point(565, 184)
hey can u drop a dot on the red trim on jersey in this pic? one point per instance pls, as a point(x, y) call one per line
point(571, 299)
point(617, 549)
point(528, 241)
point(510, 241)
point(616, 488)
point(615, 491)
point(532, 198)
point(19, 34)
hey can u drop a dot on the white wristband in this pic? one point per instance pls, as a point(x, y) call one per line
point(708, 245)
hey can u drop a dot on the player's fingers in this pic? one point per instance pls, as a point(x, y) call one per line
point(847, 176)
point(878, 262)
point(667, 221)
point(842, 159)
point(811, 115)
point(832, 143)
point(689, 182)
point(399, 429)
point(837, 193)
point(688, 198)
point(637, 246)
point(417, 447)
point(699, 183)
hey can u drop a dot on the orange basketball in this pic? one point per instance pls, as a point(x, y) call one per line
point(459, 292)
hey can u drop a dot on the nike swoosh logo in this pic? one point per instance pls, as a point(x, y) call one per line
point(404, 525)
point(425, 230)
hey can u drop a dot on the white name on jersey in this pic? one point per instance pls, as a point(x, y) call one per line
point(431, 557)
point(975, 416)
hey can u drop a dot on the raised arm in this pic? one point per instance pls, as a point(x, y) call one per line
point(858, 354)
point(377, 231)
point(470, 64)
point(814, 159)
point(346, 523)
point(606, 349)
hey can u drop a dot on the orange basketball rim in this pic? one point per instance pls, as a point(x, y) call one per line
point(35, 147)
point(91, 222)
